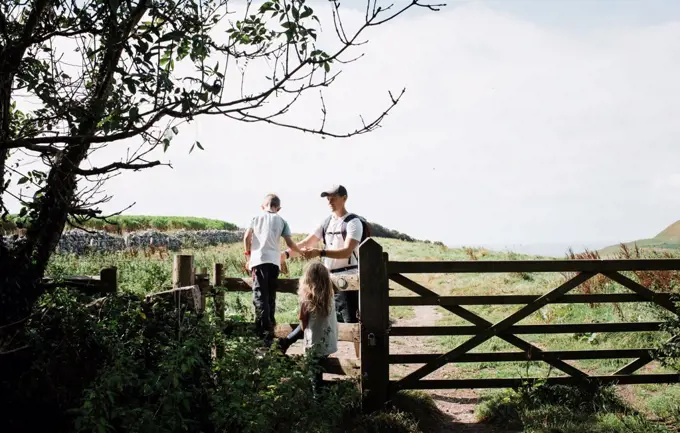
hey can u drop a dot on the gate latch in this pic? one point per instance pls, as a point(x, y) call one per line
point(371, 339)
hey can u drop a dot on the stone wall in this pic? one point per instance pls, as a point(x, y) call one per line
point(79, 241)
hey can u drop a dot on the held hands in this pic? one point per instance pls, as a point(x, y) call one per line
point(310, 253)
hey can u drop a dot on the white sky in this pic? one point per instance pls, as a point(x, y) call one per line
point(523, 122)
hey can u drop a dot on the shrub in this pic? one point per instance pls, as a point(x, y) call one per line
point(122, 364)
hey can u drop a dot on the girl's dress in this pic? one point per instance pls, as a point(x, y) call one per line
point(321, 338)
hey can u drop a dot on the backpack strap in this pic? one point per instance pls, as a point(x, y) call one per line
point(324, 227)
point(347, 219)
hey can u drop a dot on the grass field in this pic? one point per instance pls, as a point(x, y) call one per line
point(127, 223)
point(145, 272)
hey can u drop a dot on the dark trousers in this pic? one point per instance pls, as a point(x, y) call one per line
point(265, 280)
point(346, 307)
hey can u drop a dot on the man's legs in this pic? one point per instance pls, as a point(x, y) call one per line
point(347, 305)
point(261, 302)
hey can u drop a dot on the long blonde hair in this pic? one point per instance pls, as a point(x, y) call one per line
point(315, 289)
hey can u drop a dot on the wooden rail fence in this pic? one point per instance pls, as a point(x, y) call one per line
point(372, 335)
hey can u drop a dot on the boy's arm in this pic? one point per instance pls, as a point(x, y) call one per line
point(292, 245)
point(248, 240)
point(295, 250)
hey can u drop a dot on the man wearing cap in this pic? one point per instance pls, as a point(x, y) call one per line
point(340, 254)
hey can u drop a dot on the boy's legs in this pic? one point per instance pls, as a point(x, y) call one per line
point(261, 301)
point(273, 287)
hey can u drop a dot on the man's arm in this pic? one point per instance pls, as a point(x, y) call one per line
point(354, 232)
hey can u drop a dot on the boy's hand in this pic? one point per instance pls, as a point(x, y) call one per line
point(284, 267)
point(246, 266)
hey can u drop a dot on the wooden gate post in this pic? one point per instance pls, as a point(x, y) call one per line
point(218, 295)
point(108, 277)
point(182, 271)
point(374, 313)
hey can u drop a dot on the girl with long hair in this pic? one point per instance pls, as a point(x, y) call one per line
point(317, 313)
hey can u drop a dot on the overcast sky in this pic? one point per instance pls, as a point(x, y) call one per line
point(523, 122)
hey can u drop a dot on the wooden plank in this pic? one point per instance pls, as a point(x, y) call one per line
point(501, 266)
point(341, 366)
point(523, 299)
point(499, 327)
point(350, 332)
point(524, 356)
point(567, 328)
point(189, 296)
point(475, 319)
point(290, 285)
point(517, 382)
point(374, 312)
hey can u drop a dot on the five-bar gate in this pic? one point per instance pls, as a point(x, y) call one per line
point(376, 270)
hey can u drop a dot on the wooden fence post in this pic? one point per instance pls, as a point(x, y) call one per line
point(374, 313)
point(109, 279)
point(219, 295)
point(183, 271)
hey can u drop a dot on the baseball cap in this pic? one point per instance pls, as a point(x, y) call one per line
point(335, 190)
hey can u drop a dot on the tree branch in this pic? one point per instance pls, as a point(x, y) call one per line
point(117, 166)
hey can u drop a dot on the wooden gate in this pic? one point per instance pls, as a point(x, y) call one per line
point(376, 270)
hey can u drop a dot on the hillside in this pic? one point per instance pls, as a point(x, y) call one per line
point(670, 234)
point(668, 239)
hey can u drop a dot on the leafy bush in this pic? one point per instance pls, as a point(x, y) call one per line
point(122, 364)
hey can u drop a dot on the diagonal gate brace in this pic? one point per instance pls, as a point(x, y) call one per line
point(493, 329)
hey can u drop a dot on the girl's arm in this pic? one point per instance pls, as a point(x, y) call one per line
point(303, 316)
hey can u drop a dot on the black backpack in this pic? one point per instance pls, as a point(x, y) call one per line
point(365, 233)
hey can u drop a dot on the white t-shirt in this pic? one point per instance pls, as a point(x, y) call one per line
point(321, 334)
point(268, 228)
point(334, 241)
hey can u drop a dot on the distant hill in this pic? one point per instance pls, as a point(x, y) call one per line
point(383, 232)
point(671, 234)
point(669, 238)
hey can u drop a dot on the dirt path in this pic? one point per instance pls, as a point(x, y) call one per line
point(459, 405)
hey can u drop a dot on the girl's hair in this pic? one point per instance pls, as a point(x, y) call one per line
point(315, 289)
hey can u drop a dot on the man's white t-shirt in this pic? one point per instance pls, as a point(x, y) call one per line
point(268, 228)
point(335, 241)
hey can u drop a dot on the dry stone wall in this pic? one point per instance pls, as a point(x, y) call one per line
point(80, 241)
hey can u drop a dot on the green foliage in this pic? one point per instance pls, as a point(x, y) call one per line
point(122, 364)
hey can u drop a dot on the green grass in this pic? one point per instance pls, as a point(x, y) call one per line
point(127, 223)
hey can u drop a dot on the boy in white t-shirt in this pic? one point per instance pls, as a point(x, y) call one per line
point(262, 247)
